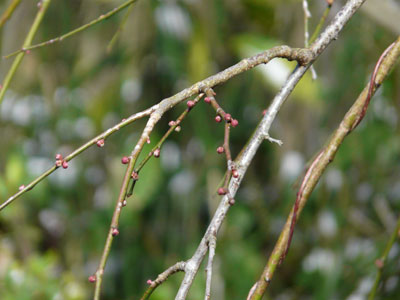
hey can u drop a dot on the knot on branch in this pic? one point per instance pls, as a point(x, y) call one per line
point(302, 55)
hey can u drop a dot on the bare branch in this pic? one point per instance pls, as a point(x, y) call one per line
point(261, 132)
point(319, 165)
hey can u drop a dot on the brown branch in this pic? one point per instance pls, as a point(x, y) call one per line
point(319, 165)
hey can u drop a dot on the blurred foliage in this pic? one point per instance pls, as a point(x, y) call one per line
point(52, 238)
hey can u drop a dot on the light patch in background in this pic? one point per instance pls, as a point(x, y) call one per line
point(38, 165)
point(131, 90)
point(276, 72)
point(52, 221)
point(171, 156)
point(195, 149)
point(356, 247)
point(334, 179)
point(17, 276)
point(84, 128)
point(173, 20)
point(364, 192)
point(364, 287)
point(182, 183)
point(95, 175)
point(102, 197)
point(320, 260)
point(66, 177)
point(292, 165)
point(110, 120)
point(327, 224)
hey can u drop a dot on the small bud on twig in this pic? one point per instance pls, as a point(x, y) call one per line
point(221, 191)
point(207, 100)
point(220, 150)
point(235, 173)
point(235, 123)
point(172, 123)
point(125, 160)
point(114, 232)
point(59, 156)
point(157, 152)
point(218, 119)
point(65, 164)
point(190, 104)
point(100, 143)
point(228, 117)
point(21, 187)
point(92, 278)
point(149, 282)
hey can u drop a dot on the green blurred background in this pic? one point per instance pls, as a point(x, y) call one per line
point(62, 95)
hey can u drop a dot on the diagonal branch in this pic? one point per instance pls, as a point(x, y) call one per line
point(101, 18)
point(42, 8)
point(319, 165)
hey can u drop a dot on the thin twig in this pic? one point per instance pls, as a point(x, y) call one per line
point(154, 118)
point(212, 244)
point(320, 23)
point(8, 12)
point(153, 284)
point(28, 40)
point(101, 18)
point(381, 262)
point(307, 16)
point(317, 168)
point(120, 29)
point(78, 151)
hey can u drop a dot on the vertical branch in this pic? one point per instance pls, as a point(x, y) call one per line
point(307, 16)
point(113, 231)
point(212, 244)
point(42, 5)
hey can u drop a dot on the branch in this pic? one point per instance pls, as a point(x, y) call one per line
point(299, 54)
point(314, 173)
point(381, 262)
point(95, 140)
point(42, 8)
point(101, 18)
point(120, 29)
point(178, 267)
point(8, 12)
point(244, 159)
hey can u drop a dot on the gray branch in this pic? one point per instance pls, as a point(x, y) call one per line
point(260, 134)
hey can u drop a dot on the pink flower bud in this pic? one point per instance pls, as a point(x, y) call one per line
point(218, 119)
point(207, 100)
point(125, 160)
point(65, 164)
point(235, 174)
point(114, 232)
point(228, 117)
point(190, 104)
point(221, 191)
point(149, 282)
point(234, 123)
point(92, 278)
point(21, 187)
point(59, 156)
point(220, 150)
point(157, 152)
point(172, 123)
point(100, 143)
